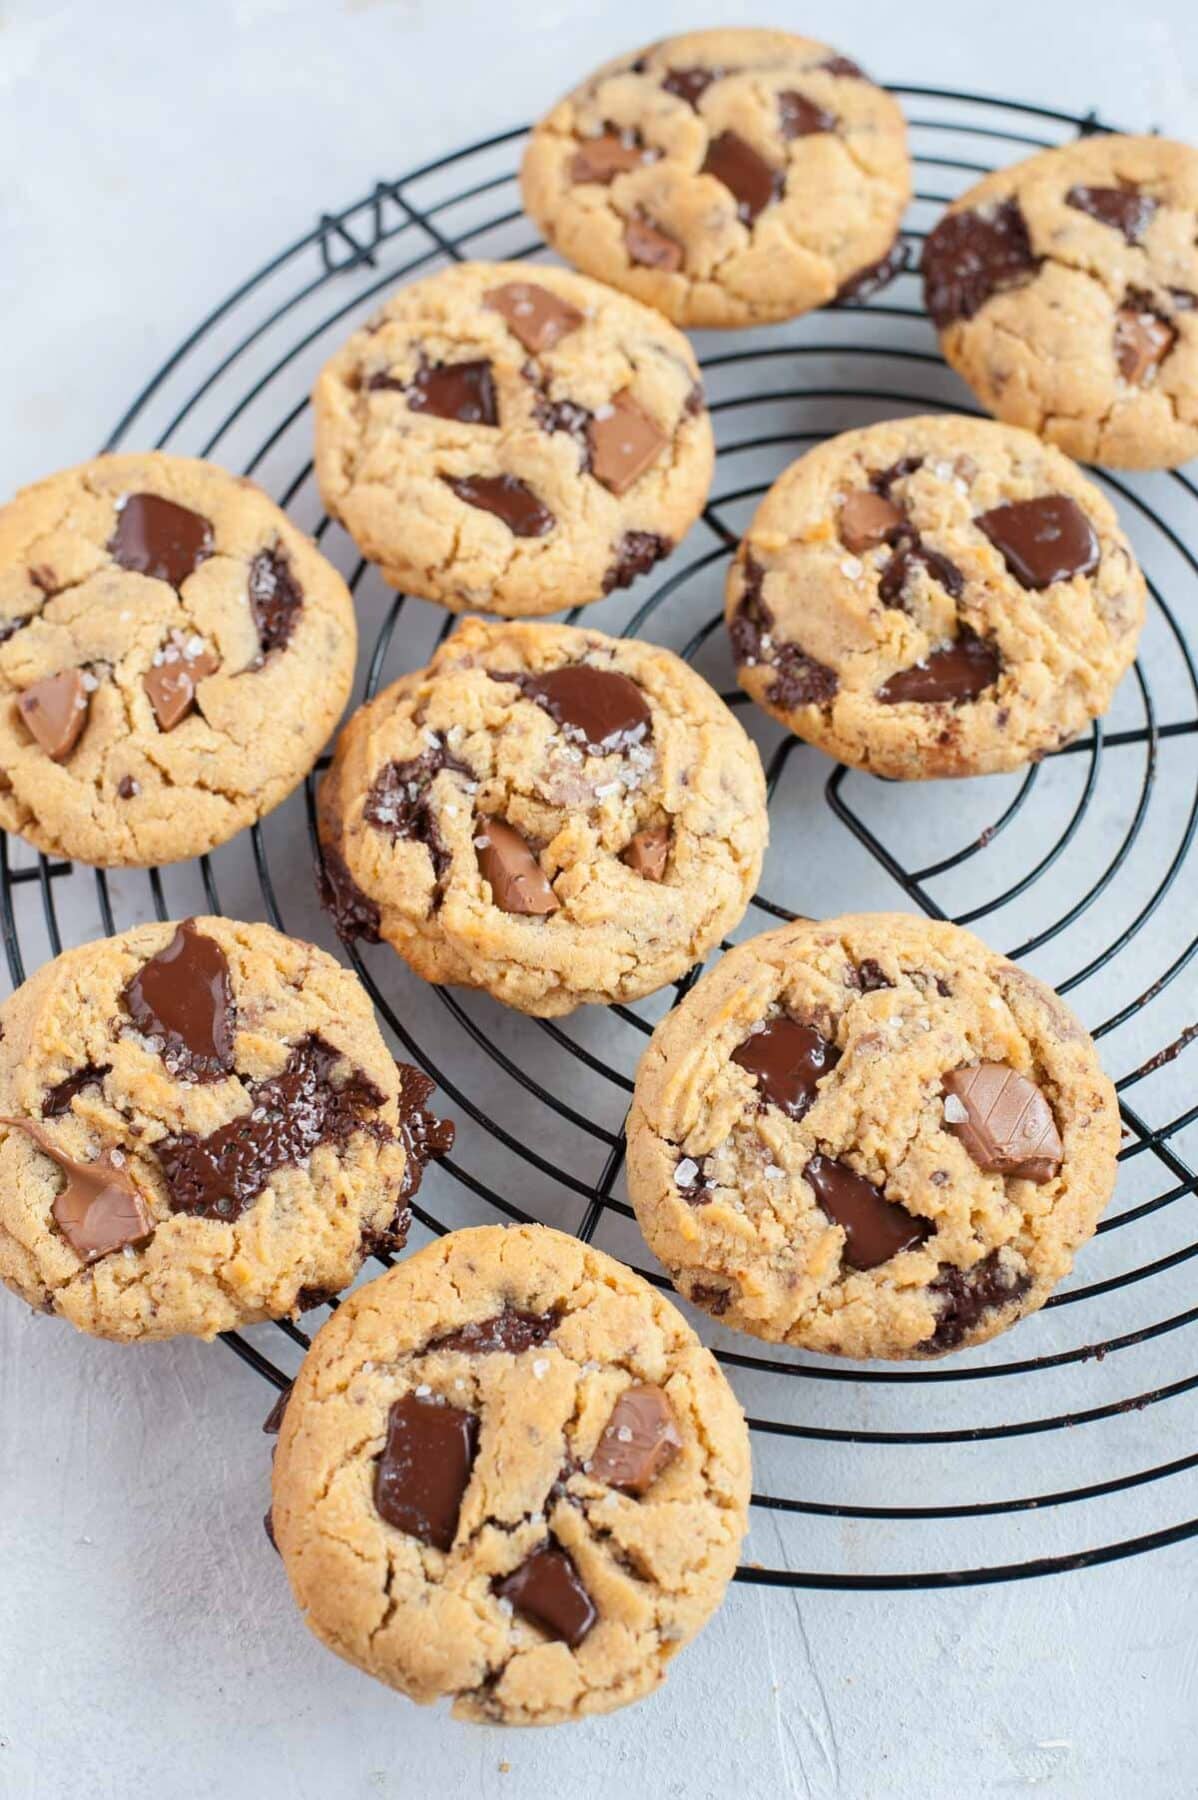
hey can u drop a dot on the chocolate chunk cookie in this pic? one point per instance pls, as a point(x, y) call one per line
point(1065, 291)
point(872, 1137)
point(509, 1474)
point(934, 596)
point(550, 814)
point(513, 439)
point(200, 1126)
point(173, 655)
point(728, 177)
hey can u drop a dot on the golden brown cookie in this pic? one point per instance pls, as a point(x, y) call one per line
point(871, 1136)
point(173, 655)
point(934, 596)
point(509, 1474)
point(513, 439)
point(1065, 291)
point(727, 177)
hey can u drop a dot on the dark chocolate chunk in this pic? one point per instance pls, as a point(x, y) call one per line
point(55, 710)
point(127, 788)
point(636, 553)
point(787, 1060)
point(692, 1178)
point(867, 519)
point(539, 318)
point(715, 1300)
point(268, 1526)
point(751, 181)
point(100, 1209)
point(1003, 1120)
point(462, 391)
point(882, 480)
point(965, 1296)
point(958, 671)
point(218, 1176)
point(422, 1475)
point(869, 280)
point(648, 244)
point(601, 159)
point(57, 1100)
point(424, 1138)
point(508, 863)
point(568, 417)
point(598, 708)
point(158, 538)
point(875, 1229)
point(971, 255)
point(870, 976)
point(639, 1441)
point(275, 598)
point(799, 680)
point(272, 1424)
point(1124, 209)
point(910, 550)
point(400, 800)
point(624, 443)
point(845, 67)
point(182, 1000)
point(691, 84)
point(548, 1590)
point(511, 1332)
point(354, 914)
point(1042, 541)
point(800, 117)
point(509, 498)
point(648, 852)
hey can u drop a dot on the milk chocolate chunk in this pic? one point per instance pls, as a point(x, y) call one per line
point(959, 671)
point(509, 498)
point(599, 708)
point(462, 391)
point(636, 553)
point(518, 882)
point(965, 1296)
point(691, 84)
point(275, 598)
point(57, 1100)
point(423, 1473)
point(867, 519)
point(624, 443)
point(1003, 1120)
point(750, 180)
point(1124, 209)
point(511, 1331)
point(159, 538)
point(289, 1114)
point(182, 1000)
point(639, 1441)
point(399, 802)
point(1042, 541)
point(548, 1590)
point(648, 852)
point(800, 117)
point(100, 1209)
point(539, 318)
point(875, 1228)
point(787, 1060)
point(1142, 342)
point(971, 255)
point(648, 244)
point(172, 680)
point(55, 710)
point(601, 159)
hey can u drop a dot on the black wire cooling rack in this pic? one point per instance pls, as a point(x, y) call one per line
point(1060, 1446)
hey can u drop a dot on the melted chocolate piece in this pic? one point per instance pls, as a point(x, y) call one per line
point(647, 244)
point(354, 914)
point(268, 1526)
point(639, 1441)
point(422, 1475)
point(800, 117)
point(1042, 541)
point(875, 1229)
point(799, 680)
point(870, 976)
point(218, 1176)
point(156, 537)
point(539, 318)
point(691, 84)
point(648, 852)
point(275, 599)
point(750, 180)
point(970, 256)
point(1124, 209)
point(171, 682)
point(1142, 341)
point(509, 498)
point(510, 1332)
point(601, 159)
point(715, 1300)
point(843, 66)
point(967, 1295)
point(400, 800)
point(272, 1424)
point(868, 519)
point(1004, 1121)
point(424, 1138)
point(908, 552)
point(869, 280)
point(462, 391)
point(882, 480)
point(636, 553)
point(57, 1100)
point(787, 1060)
point(547, 1589)
point(182, 999)
point(100, 1209)
point(507, 862)
point(958, 671)
point(55, 710)
point(598, 708)
point(624, 443)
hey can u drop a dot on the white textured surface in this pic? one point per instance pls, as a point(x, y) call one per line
point(152, 152)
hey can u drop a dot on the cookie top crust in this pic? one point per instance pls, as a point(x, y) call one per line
point(173, 655)
point(726, 177)
point(200, 1126)
point(508, 1473)
point(547, 813)
point(934, 596)
point(513, 439)
point(1065, 290)
point(870, 1136)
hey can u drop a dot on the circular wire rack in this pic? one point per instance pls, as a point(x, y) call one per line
point(1055, 1448)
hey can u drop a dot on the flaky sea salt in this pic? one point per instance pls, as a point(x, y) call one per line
point(540, 1367)
point(685, 1173)
point(954, 1111)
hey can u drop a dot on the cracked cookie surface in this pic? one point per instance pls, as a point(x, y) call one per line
point(1065, 291)
point(200, 1126)
point(547, 813)
point(934, 596)
point(513, 439)
point(173, 655)
point(870, 1136)
point(508, 1473)
point(727, 177)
